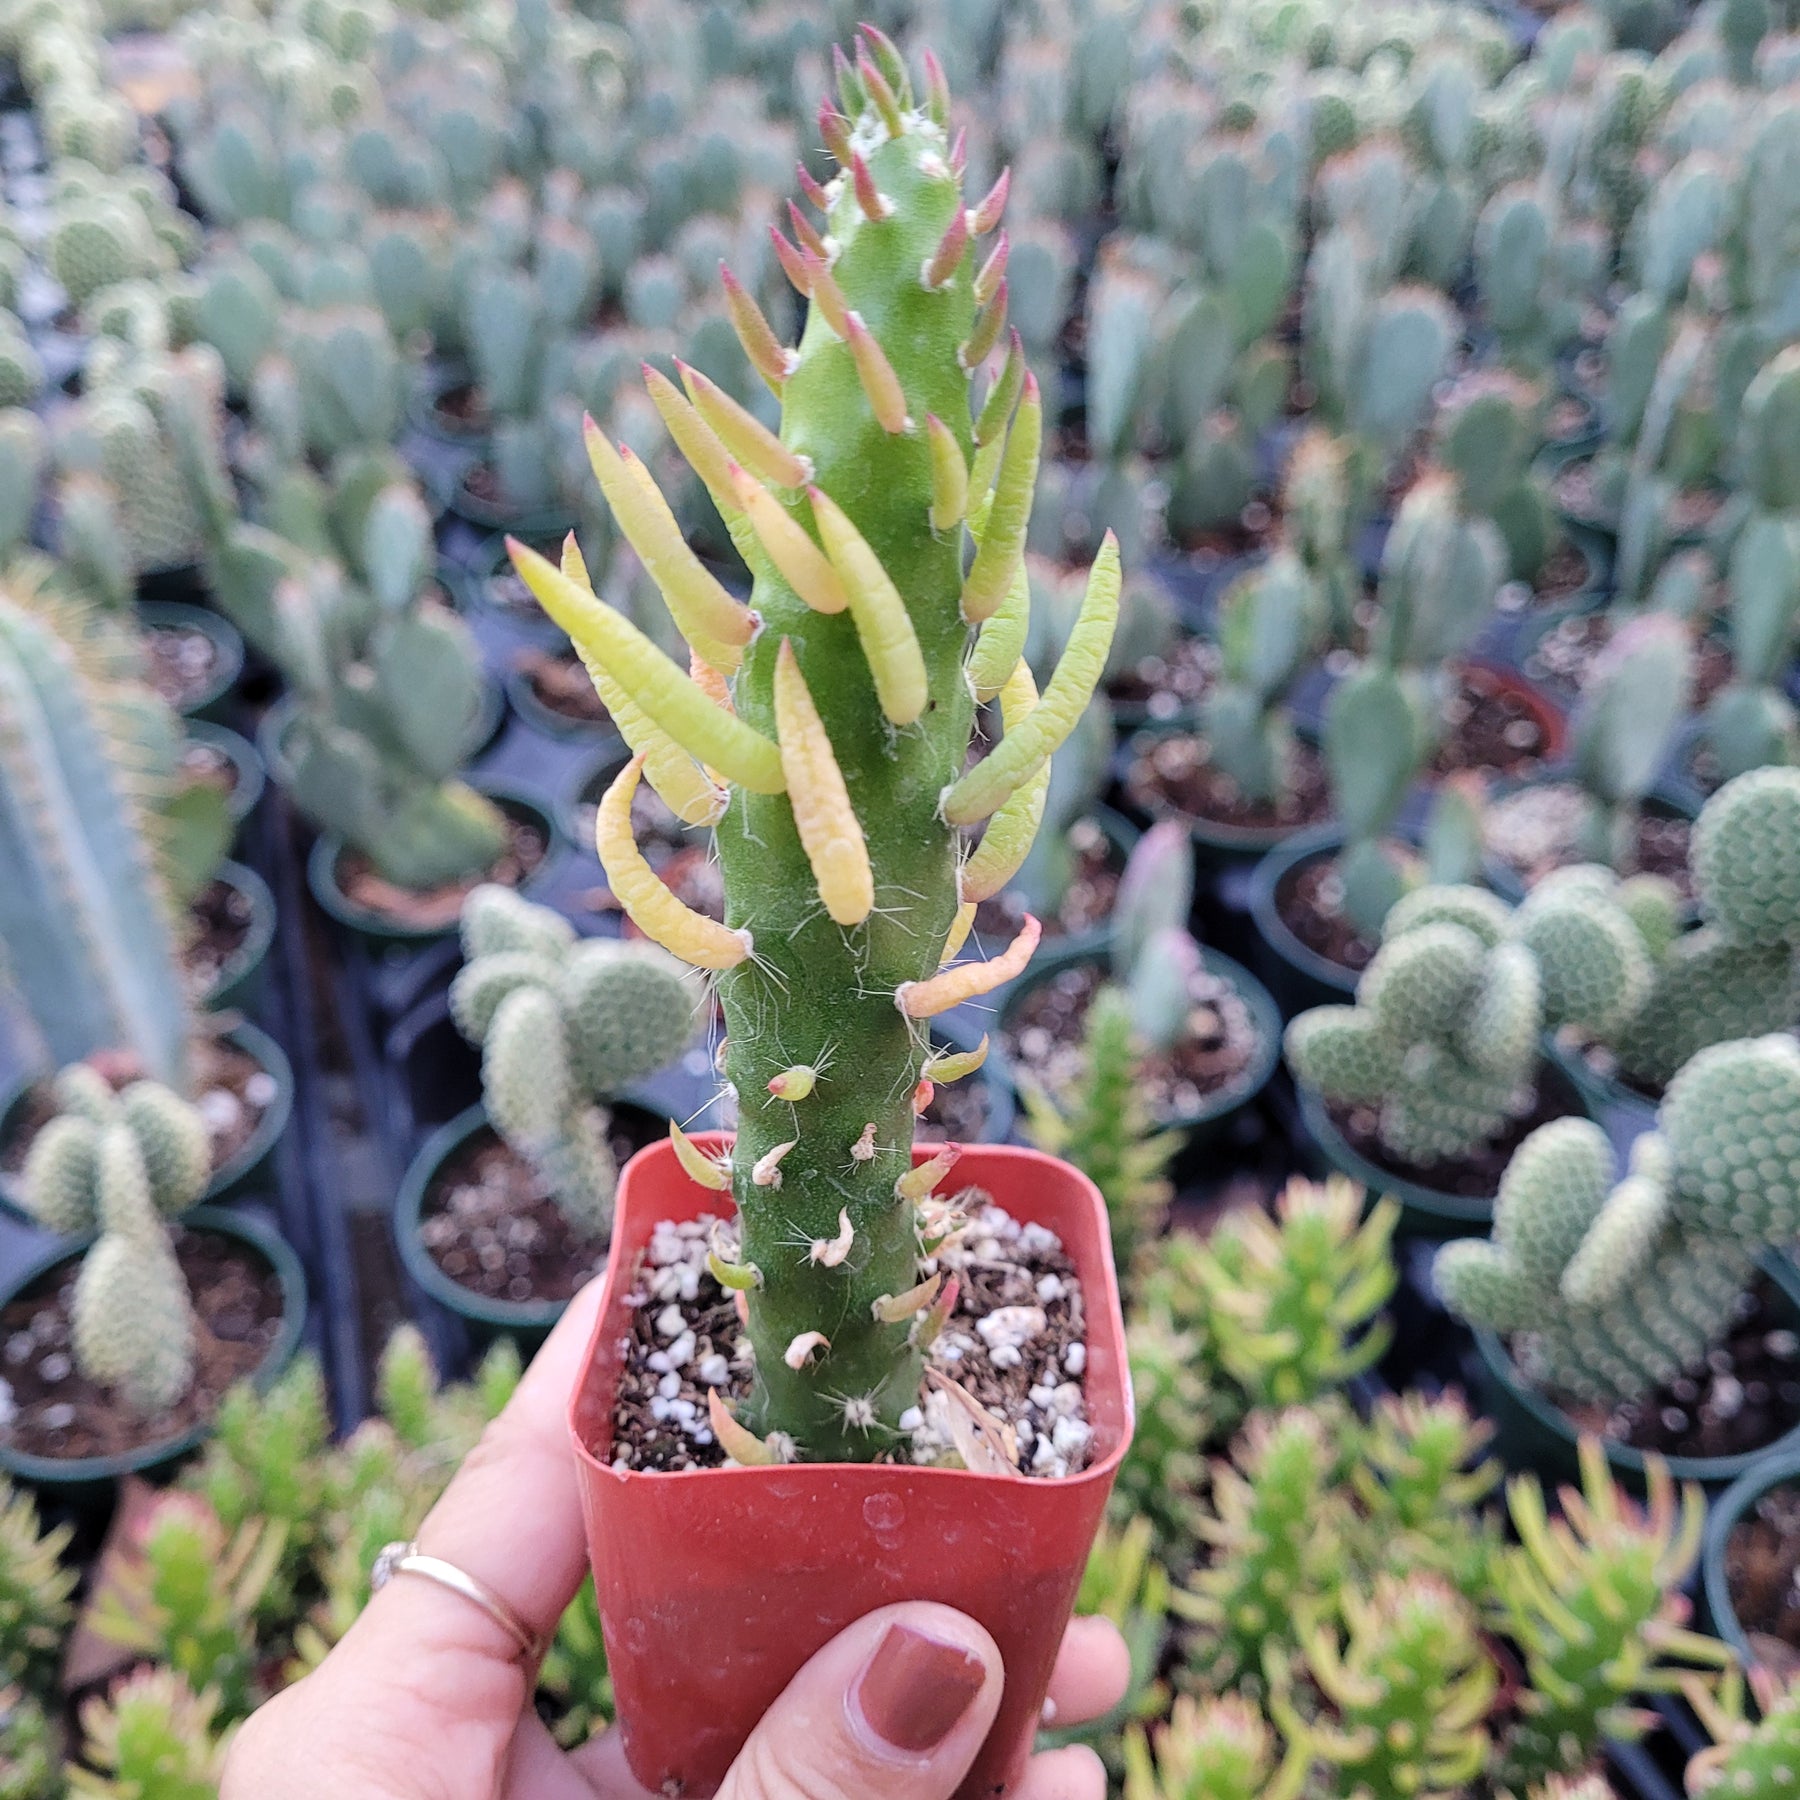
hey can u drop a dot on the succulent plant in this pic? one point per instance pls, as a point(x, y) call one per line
point(153, 1738)
point(64, 1168)
point(85, 921)
point(828, 810)
point(1219, 1748)
point(1486, 434)
point(1751, 722)
point(574, 1674)
point(563, 1027)
point(1756, 1759)
point(35, 1592)
point(1614, 1285)
point(1443, 1038)
point(30, 1759)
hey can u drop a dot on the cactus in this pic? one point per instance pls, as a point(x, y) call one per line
point(1443, 1037)
point(153, 1738)
point(132, 1321)
point(1755, 1760)
point(1487, 433)
point(829, 810)
point(1616, 1286)
point(63, 1168)
point(84, 921)
point(563, 1027)
point(29, 1749)
point(1751, 722)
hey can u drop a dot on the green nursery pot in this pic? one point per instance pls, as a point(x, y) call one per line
point(225, 638)
point(86, 1482)
point(1534, 1433)
point(235, 1176)
point(1778, 1466)
point(1201, 1124)
point(527, 1321)
point(376, 929)
point(240, 982)
point(1297, 976)
point(272, 730)
point(247, 766)
point(1425, 1212)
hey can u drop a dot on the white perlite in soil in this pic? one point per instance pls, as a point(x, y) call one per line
point(1015, 1344)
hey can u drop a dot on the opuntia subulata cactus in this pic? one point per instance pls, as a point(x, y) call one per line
point(564, 1026)
point(1614, 1285)
point(825, 731)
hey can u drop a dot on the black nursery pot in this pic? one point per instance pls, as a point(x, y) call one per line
point(240, 981)
point(1298, 976)
point(1534, 1433)
point(87, 1483)
point(1778, 1466)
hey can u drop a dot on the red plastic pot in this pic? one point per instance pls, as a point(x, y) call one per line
point(716, 1585)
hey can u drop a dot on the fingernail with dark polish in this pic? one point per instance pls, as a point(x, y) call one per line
point(914, 1689)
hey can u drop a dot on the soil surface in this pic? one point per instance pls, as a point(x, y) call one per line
point(1491, 727)
point(1310, 901)
point(1762, 1565)
point(563, 686)
point(1574, 489)
point(219, 917)
point(462, 409)
point(1569, 417)
point(1475, 1176)
point(1043, 1039)
point(1015, 1344)
point(182, 663)
point(1096, 864)
point(438, 907)
point(208, 765)
point(1746, 1397)
point(51, 1409)
point(1543, 828)
point(1174, 774)
point(1563, 655)
point(504, 589)
point(230, 1087)
point(491, 1226)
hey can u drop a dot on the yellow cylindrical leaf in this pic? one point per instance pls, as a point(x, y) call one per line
point(1001, 641)
point(699, 1166)
point(883, 625)
point(950, 987)
point(801, 563)
point(606, 639)
point(1020, 754)
point(695, 439)
point(647, 901)
point(960, 927)
point(1003, 537)
point(949, 476)
point(1014, 827)
point(952, 1065)
point(827, 823)
point(748, 439)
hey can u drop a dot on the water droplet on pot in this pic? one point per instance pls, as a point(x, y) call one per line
point(884, 1514)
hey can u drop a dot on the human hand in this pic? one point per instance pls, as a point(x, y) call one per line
point(426, 1698)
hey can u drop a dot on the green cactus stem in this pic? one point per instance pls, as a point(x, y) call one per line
point(564, 1027)
point(841, 721)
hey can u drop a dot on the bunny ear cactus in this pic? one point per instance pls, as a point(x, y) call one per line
point(1751, 722)
point(1443, 1036)
point(563, 1026)
point(835, 714)
point(1616, 1285)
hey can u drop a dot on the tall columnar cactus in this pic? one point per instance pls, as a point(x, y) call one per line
point(85, 925)
point(1751, 722)
point(1443, 1037)
point(563, 1028)
point(64, 1166)
point(1616, 1285)
point(826, 736)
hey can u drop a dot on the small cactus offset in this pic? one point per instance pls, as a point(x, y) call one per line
point(834, 714)
point(1614, 1285)
point(62, 1180)
point(1759, 1761)
point(1443, 1038)
point(563, 1026)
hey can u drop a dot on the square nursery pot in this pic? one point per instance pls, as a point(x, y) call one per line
point(716, 1585)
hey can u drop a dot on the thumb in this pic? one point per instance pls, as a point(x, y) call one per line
point(893, 1708)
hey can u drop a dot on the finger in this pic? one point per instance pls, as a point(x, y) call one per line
point(1072, 1774)
point(540, 1769)
point(1092, 1672)
point(511, 1518)
point(893, 1708)
point(603, 1766)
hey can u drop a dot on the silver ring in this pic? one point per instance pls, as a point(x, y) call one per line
point(407, 1559)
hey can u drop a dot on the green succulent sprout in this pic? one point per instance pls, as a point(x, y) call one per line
point(1219, 1748)
point(1614, 1285)
point(35, 1591)
point(153, 1738)
point(563, 1027)
point(30, 1752)
point(1757, 1760)
point(826, 739)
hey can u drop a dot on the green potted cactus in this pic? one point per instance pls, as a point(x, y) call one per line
point(1609, 1288)
point(835, 740)
point(128, 1367)
point(1421, 1087)
point(89, 915)
point(1207, 1032)
point(566, 1029)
